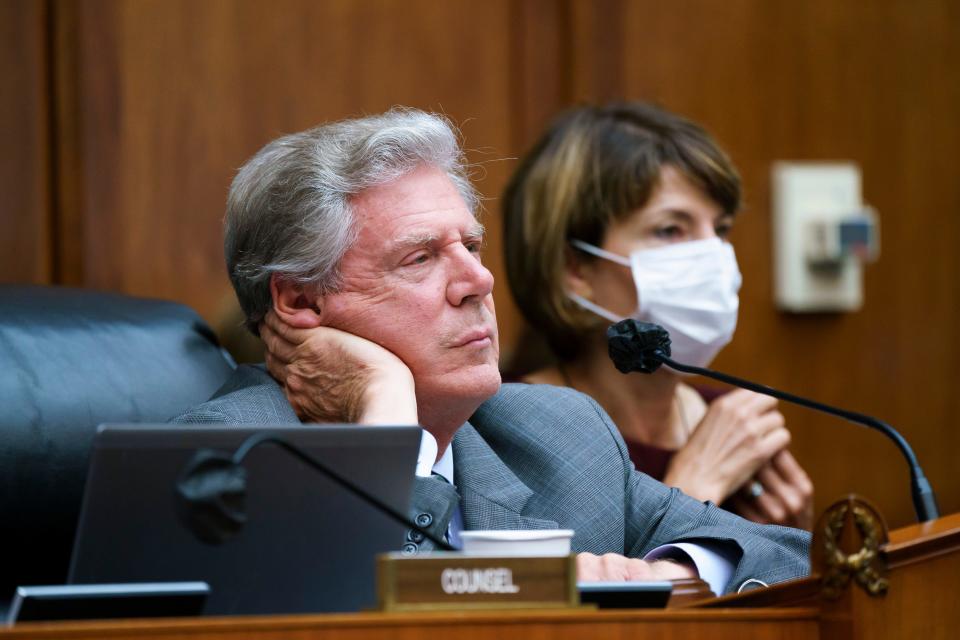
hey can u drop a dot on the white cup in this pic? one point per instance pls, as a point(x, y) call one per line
point(536, 542)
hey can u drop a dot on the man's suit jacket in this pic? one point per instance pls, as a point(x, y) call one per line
point(543, 457)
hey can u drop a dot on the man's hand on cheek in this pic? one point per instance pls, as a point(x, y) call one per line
point(334, 376)
point(612, 567)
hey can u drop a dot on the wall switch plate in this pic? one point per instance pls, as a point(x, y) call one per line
point(812, 202)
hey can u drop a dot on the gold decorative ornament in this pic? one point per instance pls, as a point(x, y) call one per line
point(865, 565)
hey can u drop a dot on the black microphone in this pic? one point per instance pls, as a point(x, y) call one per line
point(210, 491)
point(643, 346)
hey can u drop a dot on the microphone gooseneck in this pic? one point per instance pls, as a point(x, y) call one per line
point(210, 491)
point(643, 346)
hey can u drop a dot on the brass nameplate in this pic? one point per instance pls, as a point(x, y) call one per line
point(455, 581)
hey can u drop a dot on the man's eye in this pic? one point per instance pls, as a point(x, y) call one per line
point(723, 230)
point(417, 258)
point(474, 247)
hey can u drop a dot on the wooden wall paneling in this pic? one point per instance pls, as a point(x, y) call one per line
point(84, 141)
point(539, 89)
point(172, 97)
point(875, 83)
point(539, 70)
point(597, 60)
point(25, 209)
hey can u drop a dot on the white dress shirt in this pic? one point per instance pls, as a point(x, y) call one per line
point(713, 561)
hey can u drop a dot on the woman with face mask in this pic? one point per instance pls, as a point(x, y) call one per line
point(624, 211)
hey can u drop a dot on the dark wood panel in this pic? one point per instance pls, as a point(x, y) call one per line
point(25, 255)
point(539, 89)
point(172, 97)
point(540, 56)
point(598, 51)
point(877, 83)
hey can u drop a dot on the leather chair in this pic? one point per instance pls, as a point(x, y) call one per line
point(70, 360)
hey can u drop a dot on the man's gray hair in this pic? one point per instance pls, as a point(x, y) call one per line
point(289, 209)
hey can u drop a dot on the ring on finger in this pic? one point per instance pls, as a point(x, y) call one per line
point(755, 489)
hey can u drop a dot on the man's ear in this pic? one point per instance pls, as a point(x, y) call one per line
point(577, 275)
point(294, 304)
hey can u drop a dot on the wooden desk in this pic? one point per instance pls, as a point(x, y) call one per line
point(716, 624)
point(919, 565)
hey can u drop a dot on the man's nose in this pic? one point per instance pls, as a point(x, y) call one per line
point(470, 279)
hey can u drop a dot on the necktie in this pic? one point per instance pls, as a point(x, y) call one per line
point(455, 525)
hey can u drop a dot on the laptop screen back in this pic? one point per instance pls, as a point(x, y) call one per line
point(308, 545)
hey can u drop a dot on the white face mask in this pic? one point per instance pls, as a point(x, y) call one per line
point(688, 288)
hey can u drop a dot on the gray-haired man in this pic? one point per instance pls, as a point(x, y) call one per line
point(355, 249)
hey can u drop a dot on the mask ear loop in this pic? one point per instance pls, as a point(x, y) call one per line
point(595, 308)
point(589, 305)
point(600, 253)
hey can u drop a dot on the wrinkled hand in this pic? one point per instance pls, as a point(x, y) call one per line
point(330, 375)
point(787, 496)
point(740, 433)
point(612, 567)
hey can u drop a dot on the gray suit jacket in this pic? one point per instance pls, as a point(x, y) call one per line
point(542, 457)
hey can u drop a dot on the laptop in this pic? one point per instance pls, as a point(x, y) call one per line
point(103, 601)
point(308, 545)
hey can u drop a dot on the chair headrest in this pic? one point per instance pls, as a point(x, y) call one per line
point(70, 360)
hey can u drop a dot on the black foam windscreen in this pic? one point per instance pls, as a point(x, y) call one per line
point(210, 496)
point(635, 345)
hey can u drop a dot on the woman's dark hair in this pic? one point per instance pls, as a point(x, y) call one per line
point(593, 166)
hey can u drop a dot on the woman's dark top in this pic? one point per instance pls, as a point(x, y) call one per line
point(653, 460)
